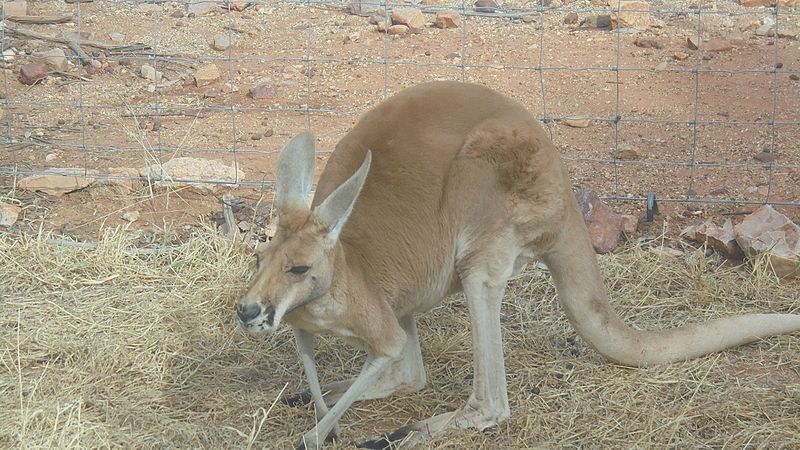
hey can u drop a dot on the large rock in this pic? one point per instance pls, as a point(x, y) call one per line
point(202, 175)
point(410, 17)
point(58, 181)
point(605, 226)
point(8, 214)
point(54, 58)
point(31, 73)
point(206, 74)
point(447, 19)
point(766, 231)
point(721, 239)
point(631, 14)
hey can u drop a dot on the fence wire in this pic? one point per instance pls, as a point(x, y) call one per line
point(323, 67)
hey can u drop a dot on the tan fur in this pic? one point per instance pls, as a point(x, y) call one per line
point(463, 188)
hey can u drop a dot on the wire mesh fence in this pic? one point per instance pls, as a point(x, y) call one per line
point(692, 101)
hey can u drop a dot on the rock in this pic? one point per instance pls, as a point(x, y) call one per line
point(221, 42)
point(769, 232)
point(125, 178)
point(717, 45)
point(55, 58)
point(626, 152)
point(206, 74)
point(149, 72)
point(765, 157)
point(58, 181)
point(602, 21)
point(131, 216)
point(9, 214)
point(662, 66)
point(447, 19)
point(352, 37)
point(116, 37)
point(794, 77)
point(528, 19)
point(410, 17)
point(397, 30)
point(721, 239)
point(629, 224)
point(577, 123)
point(693, 42)
point(201, 7)
point(788, 34)
point(262, 90)
point(632, 14)
point(571, 18)
point(31, 73)
point(766, 29)
point(93, 67)
point(486, 6)
point(720, 191)
point(680, 56)
point(377, 18)
point(647, 43)
point(178, 171)
point(16, 8)
point(604, 224)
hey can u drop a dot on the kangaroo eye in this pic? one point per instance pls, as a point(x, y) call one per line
point(299, 270)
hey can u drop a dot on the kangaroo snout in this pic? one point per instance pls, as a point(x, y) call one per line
point(253, 317)
point(246, 313)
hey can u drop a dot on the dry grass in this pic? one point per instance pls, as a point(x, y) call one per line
point(101, 348)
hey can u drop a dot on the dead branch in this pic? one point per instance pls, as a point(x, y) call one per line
point(74, 44)
point(41, 20)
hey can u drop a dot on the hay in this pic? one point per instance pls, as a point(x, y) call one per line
point(106, 347)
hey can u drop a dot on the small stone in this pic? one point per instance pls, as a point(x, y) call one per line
point(577, 123)
point(15, 8)
point(149, 72)
point(626, 152)
point(629, 224)
point(397, 30)
point(602, 21)
point(693, 42)
point(255, 137)
point(94, 67)
point(9, 214)
point(131, 216)
point(377, 18)
point(55, 58)
point(57, 181)
point(206, 74)
point(269, 133)
point(788, 34)
point(765, 157)
point(486, 6)
point(680, 56)
point(50, 157)
point(221, 42)
point(116, 37)
point(263, 90)
point(571, 18)
point(661, 66)
point(794, 77)
point(352, 37)
point(177, 14)
point(31, 73)
point(447, 19)
point(410, 17)
point(244, 225)
point(720, 191)
point(647, 43)
point(528, 19)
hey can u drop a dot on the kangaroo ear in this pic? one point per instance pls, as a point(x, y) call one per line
point(295, 172)
point(336, 208)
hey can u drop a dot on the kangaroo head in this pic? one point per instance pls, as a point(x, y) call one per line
point(297, 266)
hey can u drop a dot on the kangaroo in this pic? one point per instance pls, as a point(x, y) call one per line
point(444, 187)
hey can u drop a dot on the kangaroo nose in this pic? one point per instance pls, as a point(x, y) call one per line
point(249, 312)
